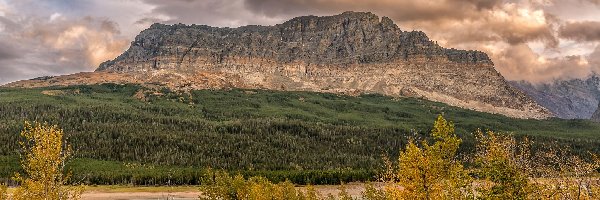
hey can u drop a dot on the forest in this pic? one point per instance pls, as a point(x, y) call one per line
point(129, 134)
point(502, 167)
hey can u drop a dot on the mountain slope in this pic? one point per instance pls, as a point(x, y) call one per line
point(351, 53)
point(596, 115)
point(242, 130)
point(571, 99)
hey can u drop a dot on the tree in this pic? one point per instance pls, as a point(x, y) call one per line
point(498, 158)
point(43, 159)
point(3, 192)
point(432, 171)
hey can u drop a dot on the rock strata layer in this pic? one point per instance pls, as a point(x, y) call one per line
point(351, 53)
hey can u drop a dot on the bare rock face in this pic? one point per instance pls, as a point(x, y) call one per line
point(568, 99)
point(351, 53)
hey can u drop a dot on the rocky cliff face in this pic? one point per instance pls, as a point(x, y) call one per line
point(350, 53)
point(349, 38)
point(572, 99)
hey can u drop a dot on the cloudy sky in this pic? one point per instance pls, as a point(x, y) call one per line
point(533, 40)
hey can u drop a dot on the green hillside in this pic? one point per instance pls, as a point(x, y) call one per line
point(280, 134)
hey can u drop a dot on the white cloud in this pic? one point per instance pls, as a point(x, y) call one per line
point(55, 16)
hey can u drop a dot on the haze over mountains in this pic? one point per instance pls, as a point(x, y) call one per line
point(350, 53)
point(570, 99)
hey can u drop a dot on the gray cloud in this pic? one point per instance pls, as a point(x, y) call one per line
point(402, 10)
point(230, 13)
point(581, 31)
point(510, 63)
point(9, 51)
point(594, 60)
point(40, 47)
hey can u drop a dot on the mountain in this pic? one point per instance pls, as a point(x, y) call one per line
point(596, 115)
point(570, 99)
point(350, 53)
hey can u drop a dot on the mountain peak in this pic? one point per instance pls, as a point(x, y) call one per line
point(340, 18)
point(347, 38)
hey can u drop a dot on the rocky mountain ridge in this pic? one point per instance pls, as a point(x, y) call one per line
point(567, 99)
point(351, 53)
point(349, 38)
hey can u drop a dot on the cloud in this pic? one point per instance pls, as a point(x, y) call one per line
point(230, 13)
point(594, 60)
point(9, 51)
point(401, 9)
point(456, 21)
point(37, 47)
point(594, 1)
point(581, 31)
point(520, 62)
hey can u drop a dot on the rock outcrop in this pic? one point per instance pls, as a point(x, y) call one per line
point(350, 53)
point(571, 99)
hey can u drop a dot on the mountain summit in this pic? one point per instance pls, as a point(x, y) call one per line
point(345, 39)
point(350, 53)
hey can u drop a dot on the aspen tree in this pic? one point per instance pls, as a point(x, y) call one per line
point(43, 158)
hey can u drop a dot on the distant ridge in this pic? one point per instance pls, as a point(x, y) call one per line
point(567, 99)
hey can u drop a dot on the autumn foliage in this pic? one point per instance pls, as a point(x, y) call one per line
point(503, 167)
point(431, 171)
point(223, 186)
point(43, 158)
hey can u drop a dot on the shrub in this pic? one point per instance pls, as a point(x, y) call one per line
point(225, 187)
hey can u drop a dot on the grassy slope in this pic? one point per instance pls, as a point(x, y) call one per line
point(248, 129)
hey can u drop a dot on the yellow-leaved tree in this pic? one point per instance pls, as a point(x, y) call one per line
point(503, 166)
point(3, 192)
point(432, 171)
point(510, 169)
point(43, 160)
